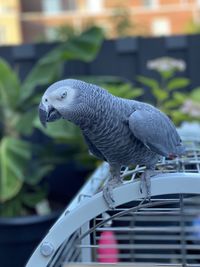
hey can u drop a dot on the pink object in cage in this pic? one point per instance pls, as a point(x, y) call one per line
point(107, 251)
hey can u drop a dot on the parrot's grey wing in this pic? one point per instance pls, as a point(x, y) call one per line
point(156, 131)
point(93, 148)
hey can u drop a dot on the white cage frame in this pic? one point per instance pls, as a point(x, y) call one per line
point(88, 205)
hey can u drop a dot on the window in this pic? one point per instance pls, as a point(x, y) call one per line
point(69, 4)
point(52, 6)
point(150, 3)
point(95, 5)
point(161, 26)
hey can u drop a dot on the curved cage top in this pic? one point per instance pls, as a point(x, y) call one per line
point(163, 232)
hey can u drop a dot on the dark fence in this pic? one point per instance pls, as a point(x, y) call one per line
point(122, 57)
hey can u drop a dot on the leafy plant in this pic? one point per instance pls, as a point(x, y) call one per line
point(15, 152)
point(50, 67)
point(191, 105)
point(169, 90)
point(64, 32)
point(22, 162)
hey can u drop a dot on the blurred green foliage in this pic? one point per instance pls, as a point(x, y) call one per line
point(169, 91)
point(195, 95)
point(64, 33)
point(191, 106)
point(22, 163)
point(193, 27)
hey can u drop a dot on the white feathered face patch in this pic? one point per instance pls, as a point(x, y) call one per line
point(55, 101)
point(62, 97)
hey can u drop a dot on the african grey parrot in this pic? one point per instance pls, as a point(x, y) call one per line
point(120, 131)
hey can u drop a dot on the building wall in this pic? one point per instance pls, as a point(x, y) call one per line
point(148, 17)
point(29, 20)
point(10, 29)
point(31, 6)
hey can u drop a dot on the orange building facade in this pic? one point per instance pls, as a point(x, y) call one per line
point(136, 17)
point(118, 17)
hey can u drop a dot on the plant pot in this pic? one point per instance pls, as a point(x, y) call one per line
point(66, 180)
point(19, 236)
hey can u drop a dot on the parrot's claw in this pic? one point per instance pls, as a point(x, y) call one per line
point(145, 184)
point(108, 195)
point(108, 192)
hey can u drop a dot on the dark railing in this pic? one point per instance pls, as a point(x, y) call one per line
point(122, 57)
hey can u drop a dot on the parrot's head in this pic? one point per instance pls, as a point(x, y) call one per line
point(58, 99)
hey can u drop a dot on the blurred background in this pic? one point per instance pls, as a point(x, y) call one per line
point(146, 50)
point(23, 21)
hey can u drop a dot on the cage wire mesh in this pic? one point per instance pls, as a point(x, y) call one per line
point(163, 232)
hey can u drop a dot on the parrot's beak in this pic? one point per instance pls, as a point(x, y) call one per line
point(43, 114)
point(48, 114)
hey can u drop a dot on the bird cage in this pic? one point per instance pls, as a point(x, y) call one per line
point(162, 232)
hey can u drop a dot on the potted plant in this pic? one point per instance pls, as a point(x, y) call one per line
point(25, 212)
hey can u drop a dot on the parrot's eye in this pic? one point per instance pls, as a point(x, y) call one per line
point(46, 100)
point(63, 95)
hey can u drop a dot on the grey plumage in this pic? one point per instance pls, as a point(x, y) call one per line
point(117, 130)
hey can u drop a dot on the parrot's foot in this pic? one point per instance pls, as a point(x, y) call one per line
point(108, 191)
point(145, 185)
